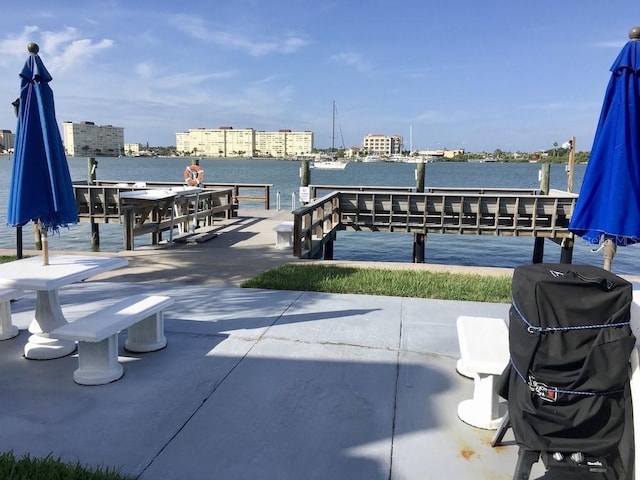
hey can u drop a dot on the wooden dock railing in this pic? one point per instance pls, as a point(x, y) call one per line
point(102, 203)
point(242, 192)
point(505, 212)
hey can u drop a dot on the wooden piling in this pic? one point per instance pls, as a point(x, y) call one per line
point(538, 245)
point(419, 239)
point(419, 242)
point(571, 165)
point(328, 250)
point(420, 177)
point(305, 180)
point(129, 219)
point(92, 166)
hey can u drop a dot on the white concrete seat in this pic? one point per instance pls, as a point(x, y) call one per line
point(484, 354)
point(284, 235)
point(97, 336)
point(7, 328)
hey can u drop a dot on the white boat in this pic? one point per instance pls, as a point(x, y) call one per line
point(421, 159)
point(329, 165)
point(396, 157)
point(330, 162)
point(372, 158)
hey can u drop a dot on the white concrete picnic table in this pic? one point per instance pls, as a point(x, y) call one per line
point(46, 280)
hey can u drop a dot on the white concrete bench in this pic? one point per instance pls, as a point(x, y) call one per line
point(97, 336)
point(7, 328)
point(484, 354)
point(284, 235)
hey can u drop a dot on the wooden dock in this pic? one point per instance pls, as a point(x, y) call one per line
point(160, 207)
point(462, 211)
point(465, 211)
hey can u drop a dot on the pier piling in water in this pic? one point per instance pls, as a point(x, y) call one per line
point(538, 243)
point(419, 239)
point(92, 166)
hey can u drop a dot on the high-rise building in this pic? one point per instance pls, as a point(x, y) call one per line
point(89, 139)
point(227, 141)
point(7, 140)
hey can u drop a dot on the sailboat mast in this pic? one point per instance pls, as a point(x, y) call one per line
point(410, 139)
point(333, 125)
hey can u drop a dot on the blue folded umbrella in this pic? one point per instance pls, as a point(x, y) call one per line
point(608, 207)
point(40, 189)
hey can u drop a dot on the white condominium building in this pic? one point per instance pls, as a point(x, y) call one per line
point(7, 140)
point(378, 144)
point(89, 139)
point(244, 142)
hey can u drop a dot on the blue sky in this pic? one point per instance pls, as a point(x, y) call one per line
point(480, 75)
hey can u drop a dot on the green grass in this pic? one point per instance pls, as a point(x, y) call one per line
point(7, 258)
point(49, 468)
point(373, 281)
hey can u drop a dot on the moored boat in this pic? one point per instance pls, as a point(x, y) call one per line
point(329, 165)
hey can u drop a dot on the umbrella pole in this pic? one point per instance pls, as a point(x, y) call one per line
point(45, 245)
point(609, 252)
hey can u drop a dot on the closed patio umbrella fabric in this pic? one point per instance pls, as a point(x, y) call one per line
point(40, 189)
point(608, 206)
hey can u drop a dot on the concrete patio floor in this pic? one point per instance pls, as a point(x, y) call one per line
point(260, 384)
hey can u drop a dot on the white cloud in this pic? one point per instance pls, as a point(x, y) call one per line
point(196, 28)
point(79, 51)
point(354, 60)
point(13, 47)
point(60, 49)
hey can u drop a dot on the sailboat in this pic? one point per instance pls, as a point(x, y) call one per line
point(330, 163)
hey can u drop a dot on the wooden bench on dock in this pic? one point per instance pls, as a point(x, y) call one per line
point(484, 354)
point(7, 329)
point(97, 336)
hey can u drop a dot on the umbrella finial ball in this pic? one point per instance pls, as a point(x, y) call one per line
point(634, 33)
point(33, 48)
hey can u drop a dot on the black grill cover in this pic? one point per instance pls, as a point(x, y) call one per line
point(553, 373)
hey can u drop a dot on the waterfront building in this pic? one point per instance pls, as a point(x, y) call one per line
point(283, 143)
point(7, 140)
point(230, 142)
point(133, 149)
point(88, 139)
point(441, 153)
point(379, 144)
point(354, 152)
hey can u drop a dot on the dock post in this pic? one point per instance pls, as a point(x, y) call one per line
point(92, 165)
point(305, 178)
point(418, 247)
point(328, 251)
point(566, 250)
point(538, 245)
point(420, 176)
point(419, 239)
point(129, 218)
point(571, 164)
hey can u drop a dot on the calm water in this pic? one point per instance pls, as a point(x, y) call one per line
point(284, 176)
